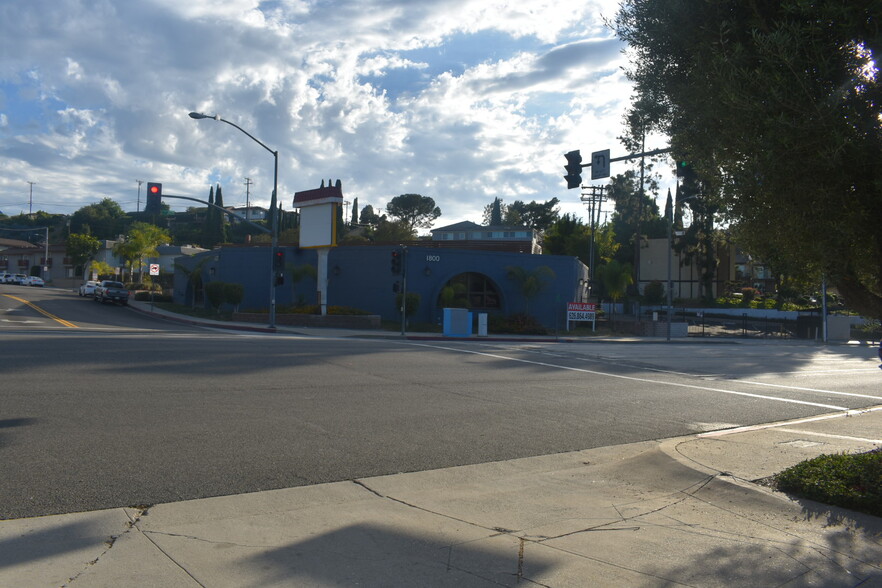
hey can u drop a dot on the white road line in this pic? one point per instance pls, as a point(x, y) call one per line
point(821, 372)
point(823, 417)
point(815, 390)
point(634, 379)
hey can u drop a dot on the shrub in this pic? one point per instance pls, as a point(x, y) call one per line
point(233, 294)
point(316, 309)
point(214, 292)
point(852, 481)
point(519, 324)
point(749, 294)
point(145, 297)
point(654, 293)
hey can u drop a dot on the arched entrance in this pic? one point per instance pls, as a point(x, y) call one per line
point(470, 290)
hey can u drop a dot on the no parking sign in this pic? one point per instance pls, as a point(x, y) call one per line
point(154, 269)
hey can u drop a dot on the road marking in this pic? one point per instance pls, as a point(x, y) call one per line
point(823, 417)
point(635, 379)
point(61, 321)
point(817, 372)
point(815, 390)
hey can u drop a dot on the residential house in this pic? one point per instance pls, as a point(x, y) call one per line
point(498, 238)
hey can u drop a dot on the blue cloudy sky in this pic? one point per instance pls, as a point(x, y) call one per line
point(460, 100)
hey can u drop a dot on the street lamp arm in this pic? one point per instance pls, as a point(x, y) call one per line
point(217, 117)
point(274, 211)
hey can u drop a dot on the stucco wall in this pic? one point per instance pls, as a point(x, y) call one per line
point(361, 277)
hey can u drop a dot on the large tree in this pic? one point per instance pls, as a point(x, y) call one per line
point(778, 107)
point(536, 215)
point(414, 210)
point(104, 220)
point(82, 248)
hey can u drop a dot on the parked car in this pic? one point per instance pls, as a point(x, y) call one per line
point(4, 277)
point(36, 281)
point(112, 291)
point(87, 288)
point(18, 279)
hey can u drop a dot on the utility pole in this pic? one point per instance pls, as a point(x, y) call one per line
point(594, 201)
point(248, 183)
point(31, 199)
point(138, 202)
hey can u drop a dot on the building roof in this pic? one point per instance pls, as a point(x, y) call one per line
point(470, 226)
point(322, 195)
point(8, 243)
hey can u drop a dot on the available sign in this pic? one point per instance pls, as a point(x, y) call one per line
point(582, 311)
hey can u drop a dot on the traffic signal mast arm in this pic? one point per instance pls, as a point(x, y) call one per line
point(635, 155)
point(222, 209)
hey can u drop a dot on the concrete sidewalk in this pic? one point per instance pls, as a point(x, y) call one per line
point(673, 512)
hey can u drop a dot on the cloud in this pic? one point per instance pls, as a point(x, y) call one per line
point(461, 100)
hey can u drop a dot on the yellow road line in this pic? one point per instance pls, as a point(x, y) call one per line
point(43, 312)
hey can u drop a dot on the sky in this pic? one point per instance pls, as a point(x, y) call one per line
point(463, 101)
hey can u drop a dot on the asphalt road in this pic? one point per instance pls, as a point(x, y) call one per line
point(101, 406)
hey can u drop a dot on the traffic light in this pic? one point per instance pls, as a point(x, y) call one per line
point(684, 169)
point(280, 278)
point(279, 259)
point(574, 169)
point(154, 198)
point(396, 287)
point(396, 261)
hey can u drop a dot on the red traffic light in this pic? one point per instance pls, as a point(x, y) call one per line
point(154, 198)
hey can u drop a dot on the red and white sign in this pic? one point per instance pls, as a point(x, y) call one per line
point(154, 269)
point(581, 311)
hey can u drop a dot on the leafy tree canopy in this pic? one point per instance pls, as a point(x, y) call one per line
point(81, 248)
point(368, 216)
point(104, 220)
point(414, 210)
point(778, 107)
point(398, 230)
point(536, 215)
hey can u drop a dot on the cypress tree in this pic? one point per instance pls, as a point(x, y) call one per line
point(219, 218)
point(208, 226)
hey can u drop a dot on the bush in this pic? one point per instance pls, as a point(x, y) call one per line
point(748, 295)
point(518, 324)
point(316, 309)
point(214, 292)
point(852, 481)
point(233, 294)
point(654, 293)
point(145, 297)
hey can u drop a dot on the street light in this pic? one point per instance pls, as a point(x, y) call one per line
point(274, 226)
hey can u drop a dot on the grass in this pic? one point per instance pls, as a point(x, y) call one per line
point(847, 480)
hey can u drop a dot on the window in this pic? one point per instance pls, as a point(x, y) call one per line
point(469, 290)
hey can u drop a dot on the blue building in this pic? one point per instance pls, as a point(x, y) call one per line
point(361, 277)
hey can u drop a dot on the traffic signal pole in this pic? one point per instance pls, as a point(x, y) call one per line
point(403, 290)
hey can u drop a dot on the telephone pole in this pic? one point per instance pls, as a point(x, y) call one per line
point(31, 199)
point(248, 183)
point(138, 202)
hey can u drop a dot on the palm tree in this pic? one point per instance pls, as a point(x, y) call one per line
point(194, 276)
point(530, 282)
point(616, 277)
point(299, 272)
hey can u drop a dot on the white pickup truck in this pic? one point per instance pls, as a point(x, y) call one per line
point(112, 291)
